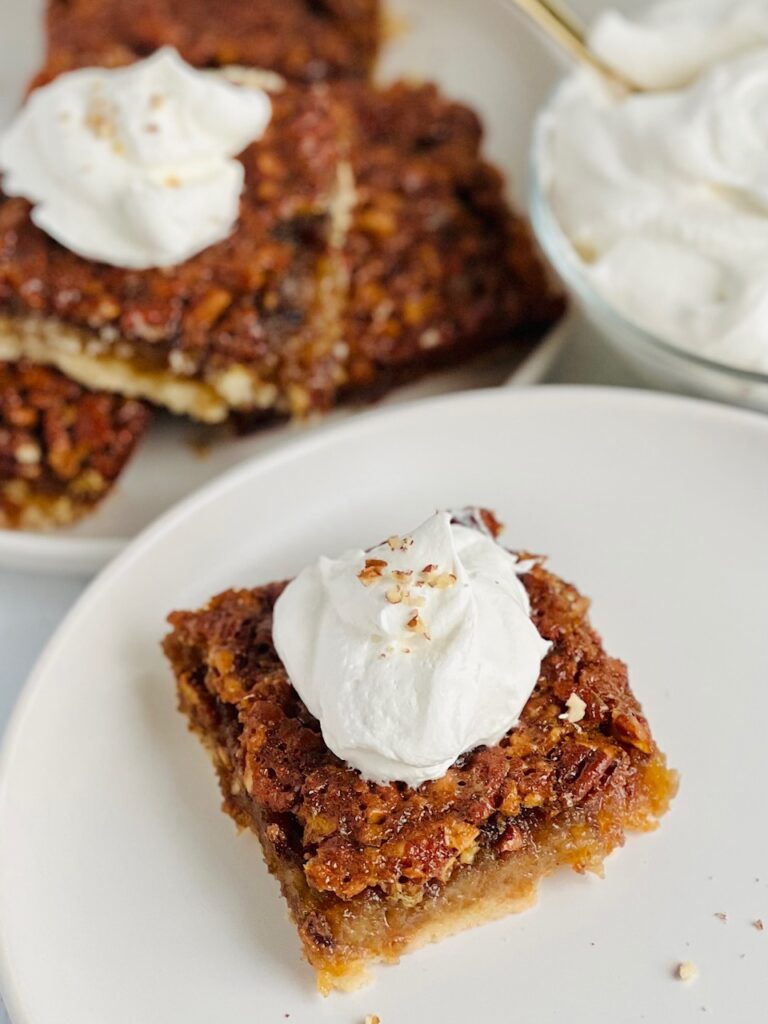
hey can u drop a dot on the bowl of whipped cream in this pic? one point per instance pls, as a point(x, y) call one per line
point(652, 204)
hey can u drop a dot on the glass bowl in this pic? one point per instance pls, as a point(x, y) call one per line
point(655, 360)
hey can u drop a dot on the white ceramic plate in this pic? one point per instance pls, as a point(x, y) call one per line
point(126, 896)
point(178, 456)
point(481, 54)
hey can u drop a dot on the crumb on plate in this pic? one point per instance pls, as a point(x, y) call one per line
point(687, 971)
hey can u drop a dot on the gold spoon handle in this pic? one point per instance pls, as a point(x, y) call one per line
point(568, 32)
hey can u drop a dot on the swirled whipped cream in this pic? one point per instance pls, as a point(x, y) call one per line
point(414, 652)
point(664, 195)
point(134, 166)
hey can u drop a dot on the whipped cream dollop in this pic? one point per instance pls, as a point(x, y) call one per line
point(671, 43)
point(664, 195)
point(414, 652)
point(134, 166)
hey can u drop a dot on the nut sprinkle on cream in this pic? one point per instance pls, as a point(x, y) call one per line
point(414, 652)
point(134, 166)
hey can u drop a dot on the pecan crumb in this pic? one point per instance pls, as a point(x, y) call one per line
point(511, 840)
point(368, 576)
point(372, 571)
point(401, 574)
point(687, 971)
point(28, 453)
point(399, 543)
point(394, 595)
point(758, 924)
point(416, 625)
point(576, 709)
point(721, 916)
point(372, 1018)
point(443, 581)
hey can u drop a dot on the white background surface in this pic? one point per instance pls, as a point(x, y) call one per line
point(31, 606)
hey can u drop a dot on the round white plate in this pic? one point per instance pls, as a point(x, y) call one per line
point(482, 54)
point(126, 896)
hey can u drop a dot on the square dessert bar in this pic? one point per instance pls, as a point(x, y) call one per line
point(371, 871)
point(305, 40)
point(61, 447)
point(231, 328)
point(374, 243)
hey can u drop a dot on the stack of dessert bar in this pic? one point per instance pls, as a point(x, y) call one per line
point(374, 242)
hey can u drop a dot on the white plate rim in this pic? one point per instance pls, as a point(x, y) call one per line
point(231, 479)
point(61, 553)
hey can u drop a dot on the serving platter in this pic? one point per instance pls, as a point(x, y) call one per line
point(125, 894)
point(484, 54)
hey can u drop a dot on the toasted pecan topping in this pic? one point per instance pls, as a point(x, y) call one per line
point(301, 39)
point(62, 446)
point(371, 571)
point(575, 709)
point(416, 625)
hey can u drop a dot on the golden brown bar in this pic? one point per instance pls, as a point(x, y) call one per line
point(370, 871)
point(61, 447)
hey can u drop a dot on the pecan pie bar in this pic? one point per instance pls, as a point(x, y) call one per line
point(437, 265)
point(61, 447)
point(306, 40)
point(373, 244)
point(370, 871)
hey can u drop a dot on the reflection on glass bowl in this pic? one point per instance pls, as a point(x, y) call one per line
point(654, 359)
